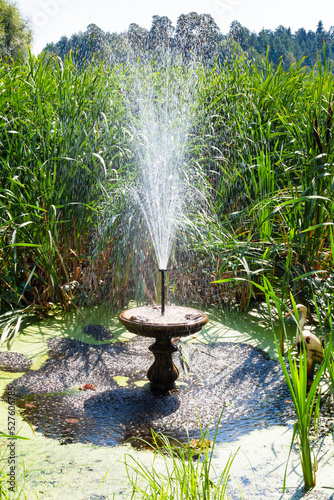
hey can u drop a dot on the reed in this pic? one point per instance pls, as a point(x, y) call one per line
point(306, 401)
point(270, 141)
point(188, 471)
point(258, 163)
point(53, 131)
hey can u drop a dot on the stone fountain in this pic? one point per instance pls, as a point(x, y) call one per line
point(163, 117)
point(163, 323)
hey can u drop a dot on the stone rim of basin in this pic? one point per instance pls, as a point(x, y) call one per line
point(177, 320)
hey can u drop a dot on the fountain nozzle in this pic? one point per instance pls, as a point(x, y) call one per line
point(162, 291)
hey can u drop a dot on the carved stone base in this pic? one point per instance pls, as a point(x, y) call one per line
point(163, 373)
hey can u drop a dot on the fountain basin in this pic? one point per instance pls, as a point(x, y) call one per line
point(177, 321)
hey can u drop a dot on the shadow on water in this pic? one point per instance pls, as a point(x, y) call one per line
point(238, 379)
point(32, 341)
point(132, 412)
point(253, 327)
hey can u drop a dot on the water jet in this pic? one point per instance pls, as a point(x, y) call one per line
point(162, 118)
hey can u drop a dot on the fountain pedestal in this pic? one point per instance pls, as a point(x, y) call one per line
point(177, 321)
point(163, 373)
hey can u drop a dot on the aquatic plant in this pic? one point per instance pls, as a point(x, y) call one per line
point(305, 397)
point(188, 470)
point(257, 154)
point(51, 136)
point(272, 147)
point(306, 401)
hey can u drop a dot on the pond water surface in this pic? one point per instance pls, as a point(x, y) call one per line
point(88, 398)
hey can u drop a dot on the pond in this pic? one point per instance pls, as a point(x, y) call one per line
point(89, 404)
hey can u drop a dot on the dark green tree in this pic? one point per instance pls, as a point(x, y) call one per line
point(63, 46)
point(311, 47)
point(197, 35)
point(138, 37)
point(301, 38)
point(284, 46)
point(320, 29)
point(240, 34)
point(161, 32)
point(75, 42)
point(263, 41)
point(118, 47)
point(15, 32)
point(330, 34)
point(94, 44)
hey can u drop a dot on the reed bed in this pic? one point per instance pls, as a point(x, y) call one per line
point(271, 142)
point(259, 164)
point(56, 126)
point(259, 152)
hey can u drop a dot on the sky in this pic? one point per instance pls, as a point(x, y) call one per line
point(51, 19)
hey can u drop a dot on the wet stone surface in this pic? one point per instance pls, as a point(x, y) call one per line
point(174, 315)
point(240, 380)
point(14, 362)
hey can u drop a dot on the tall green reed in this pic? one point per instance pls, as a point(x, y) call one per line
point(269, 135)
point(260, 153)
point(305, 397)
point(306, 401)
point(55, 140)
point(180, 471)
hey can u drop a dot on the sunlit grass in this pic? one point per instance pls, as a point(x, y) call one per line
point(258, 163)
point(185, 472)
point(305, 397)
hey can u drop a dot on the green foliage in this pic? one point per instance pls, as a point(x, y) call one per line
point(305, 397)
point(54, 142)
point(188, 471)
point(306, 401)
point(269, 139)
point(195, 36)
point(286, 47)
point(198, 36)
point(15, 32)
point(259, 157)
point(88, 46)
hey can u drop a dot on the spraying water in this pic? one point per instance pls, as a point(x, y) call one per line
point(162, 108)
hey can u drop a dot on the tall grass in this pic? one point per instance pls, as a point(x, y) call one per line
point(58, 129)
point(306, 398)
point(271, 141)
point(306, 401)
point(259, 153)
point(188, 472)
